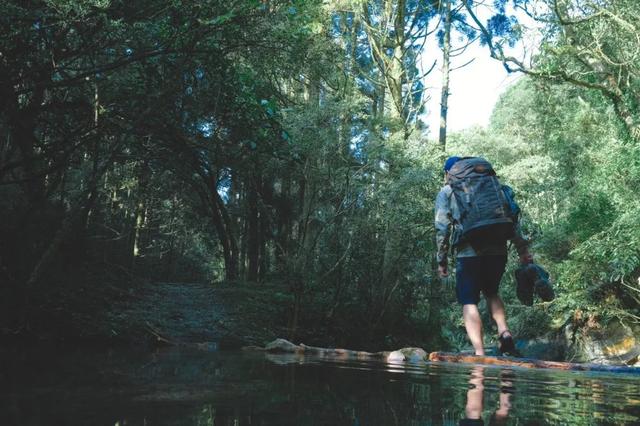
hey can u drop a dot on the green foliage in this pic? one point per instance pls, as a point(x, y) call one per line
point(252, 141)
point(560, 148)
point(173, 144)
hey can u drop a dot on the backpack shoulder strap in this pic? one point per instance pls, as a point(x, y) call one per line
point(514, 208)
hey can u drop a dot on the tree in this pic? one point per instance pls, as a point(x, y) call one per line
point(396, 32)
point(451, 18)
point(586, 43)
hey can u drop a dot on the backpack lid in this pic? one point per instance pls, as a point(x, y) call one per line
point(471, 167)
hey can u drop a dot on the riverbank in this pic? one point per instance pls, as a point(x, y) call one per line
point(118, 309)
point(227, 315)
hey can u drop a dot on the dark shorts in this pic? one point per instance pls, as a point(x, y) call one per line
point(476, 274)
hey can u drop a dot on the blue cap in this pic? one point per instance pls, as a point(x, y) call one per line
point(450, 162)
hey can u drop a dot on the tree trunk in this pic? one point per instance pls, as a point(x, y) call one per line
point(23, 124)
point(263, 244)
point(140, 216)
point(73, 221)
point(253, 232)
point(222, 223)
point(446, 58)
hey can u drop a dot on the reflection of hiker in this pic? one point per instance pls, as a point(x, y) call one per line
point(483, 216)
point(475, 399)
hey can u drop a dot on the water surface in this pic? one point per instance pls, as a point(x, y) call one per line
point(88, 386)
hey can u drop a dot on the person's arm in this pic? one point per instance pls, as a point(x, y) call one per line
point(443, 230)
point(518, 240)
point(522, 245)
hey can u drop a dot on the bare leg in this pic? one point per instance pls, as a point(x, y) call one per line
point(497, 312)
point(473, 324)
point(505, 405)
point(473, 409)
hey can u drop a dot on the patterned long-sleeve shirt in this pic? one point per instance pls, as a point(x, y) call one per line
point(445, 223)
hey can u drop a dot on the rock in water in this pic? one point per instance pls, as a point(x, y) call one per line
point(613, 343)
point(407, 355)
point(282, 345)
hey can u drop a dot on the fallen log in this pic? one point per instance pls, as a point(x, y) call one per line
point(419, 355)
point(401, 355)
point(506, 361)
point(285, 346)
point(342, 353)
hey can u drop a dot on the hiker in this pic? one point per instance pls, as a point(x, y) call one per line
point(479, 216)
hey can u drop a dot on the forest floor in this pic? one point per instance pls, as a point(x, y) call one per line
point(116, 308)
point(227, 315)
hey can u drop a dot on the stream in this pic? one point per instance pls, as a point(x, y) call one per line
point(45, 385)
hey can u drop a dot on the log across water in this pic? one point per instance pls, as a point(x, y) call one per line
point(419, 355)
point(505, 361)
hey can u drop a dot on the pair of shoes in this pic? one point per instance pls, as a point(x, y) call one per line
point(532, 278)
point(542, 284)
point(506, 344)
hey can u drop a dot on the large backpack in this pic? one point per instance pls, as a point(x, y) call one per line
point(486, 212)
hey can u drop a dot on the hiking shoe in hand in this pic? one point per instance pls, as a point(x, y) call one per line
point(542, 284)
point(506, 345)
point(524, 285)
point(532, 278)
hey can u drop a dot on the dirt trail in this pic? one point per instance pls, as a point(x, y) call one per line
point(197, 313)
point(187, 312)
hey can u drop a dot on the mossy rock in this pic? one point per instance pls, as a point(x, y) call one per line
point(613, 343)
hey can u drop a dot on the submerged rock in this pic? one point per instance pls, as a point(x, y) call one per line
point(407, 355)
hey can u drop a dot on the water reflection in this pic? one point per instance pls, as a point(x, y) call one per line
point(475, 398)
point(174, 387)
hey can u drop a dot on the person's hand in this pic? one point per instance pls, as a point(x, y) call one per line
point(443, 271)
point(526, 258)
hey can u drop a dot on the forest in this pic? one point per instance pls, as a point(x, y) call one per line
point(280, 148)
